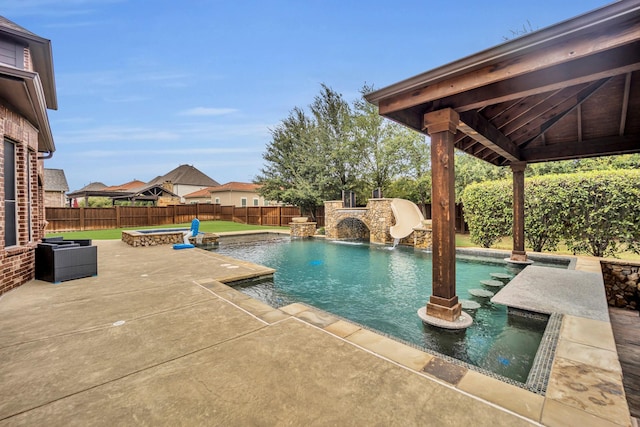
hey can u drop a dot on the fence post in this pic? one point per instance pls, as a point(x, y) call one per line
point(173, 219)
point(148, 216)
point(118, 221)
point(279, 216)
point(198, 210)
point(82, 219)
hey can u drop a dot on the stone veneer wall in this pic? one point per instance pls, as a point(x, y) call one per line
point(380, 217)
point(423, 237)
point(303, 229)
point(136, 239)
point(346, 223)
point(621, 283)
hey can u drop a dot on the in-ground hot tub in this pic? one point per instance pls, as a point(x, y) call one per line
point(167, 236)
point(154, 237)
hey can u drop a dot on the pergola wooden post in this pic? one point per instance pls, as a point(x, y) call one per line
point(518, 253)
point(442, 125)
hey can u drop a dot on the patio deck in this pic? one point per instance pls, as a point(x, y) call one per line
point(626, 325)
point(158, 339)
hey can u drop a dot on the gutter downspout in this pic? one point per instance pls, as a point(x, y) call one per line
point(46, 156)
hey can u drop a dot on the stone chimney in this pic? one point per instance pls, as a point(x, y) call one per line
point(168, 185)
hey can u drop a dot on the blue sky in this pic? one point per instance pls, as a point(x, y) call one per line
point(146, 85)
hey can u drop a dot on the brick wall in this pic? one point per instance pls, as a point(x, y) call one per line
point(18, 262)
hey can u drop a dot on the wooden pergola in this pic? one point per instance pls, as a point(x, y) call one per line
point(568, 91)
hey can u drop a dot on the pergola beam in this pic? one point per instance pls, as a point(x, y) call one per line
point(481, 130)
point(575, 150)
point(542, 59)
point(612, 63)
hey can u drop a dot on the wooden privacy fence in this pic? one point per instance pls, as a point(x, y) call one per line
point(73, 219)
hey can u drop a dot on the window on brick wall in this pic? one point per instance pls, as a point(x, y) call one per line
point(243, 202)
point(30, 157)
point(256, 201)
point(10, 206)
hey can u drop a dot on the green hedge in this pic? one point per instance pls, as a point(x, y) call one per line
point(597, 212)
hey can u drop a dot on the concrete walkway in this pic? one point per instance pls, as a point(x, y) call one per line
point(157, 339)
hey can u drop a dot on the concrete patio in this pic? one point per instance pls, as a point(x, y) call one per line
point(158, 339)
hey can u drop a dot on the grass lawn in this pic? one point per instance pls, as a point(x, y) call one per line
point(506, 243)
point(205, 227)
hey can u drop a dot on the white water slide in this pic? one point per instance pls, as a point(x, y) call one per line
point(408, 216)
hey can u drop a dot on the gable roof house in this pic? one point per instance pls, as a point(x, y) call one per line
point(27, 90)
point(183, 180)
point(238, 194)
point(200, 196)
point(55, 188)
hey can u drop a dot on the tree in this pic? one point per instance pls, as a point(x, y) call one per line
point(390, 150)
point(294, 171)
point(335, 138)
point(314, 157)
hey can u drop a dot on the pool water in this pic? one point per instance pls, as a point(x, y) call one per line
point(382, 288)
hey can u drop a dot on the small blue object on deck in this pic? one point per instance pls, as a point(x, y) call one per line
point(195, 226)
point(183, 246)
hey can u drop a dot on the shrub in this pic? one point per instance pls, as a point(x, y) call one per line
point(488, 211)
point(546, 206)
point(593, 212)
point(604, 218)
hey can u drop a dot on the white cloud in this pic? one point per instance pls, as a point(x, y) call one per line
point(164, 152)
point(52, 7)
point(114, 134)
point(204, 111)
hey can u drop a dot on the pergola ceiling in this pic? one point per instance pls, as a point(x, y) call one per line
point(568, 91)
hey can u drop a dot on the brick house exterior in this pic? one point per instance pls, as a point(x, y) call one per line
point(27, 90)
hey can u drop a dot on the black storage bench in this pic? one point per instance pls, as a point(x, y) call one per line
point(58, 260)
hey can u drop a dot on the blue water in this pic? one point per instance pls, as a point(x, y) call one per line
point(382, 288)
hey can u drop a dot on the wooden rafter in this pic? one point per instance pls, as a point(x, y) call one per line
point(601, 147)
point(558, 112)
point(480, 129)
point(625, 103)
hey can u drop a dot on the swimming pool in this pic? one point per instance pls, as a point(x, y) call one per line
point(382, 288)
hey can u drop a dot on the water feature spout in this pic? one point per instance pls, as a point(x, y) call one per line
point(395, 242)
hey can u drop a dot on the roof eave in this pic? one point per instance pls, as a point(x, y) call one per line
point(508, 49)
point(42, 58)
point(34, 95)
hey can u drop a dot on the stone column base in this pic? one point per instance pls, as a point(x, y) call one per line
point(303, 229)
point(449, 314)
point(519, 256)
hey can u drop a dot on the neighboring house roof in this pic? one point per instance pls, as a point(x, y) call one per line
point(246, 187)
point(185, 175)
point(127, 186)
point(92, 186)
point(30, 93)
point(55, 180)
point(205, 192)
point(147, 192)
